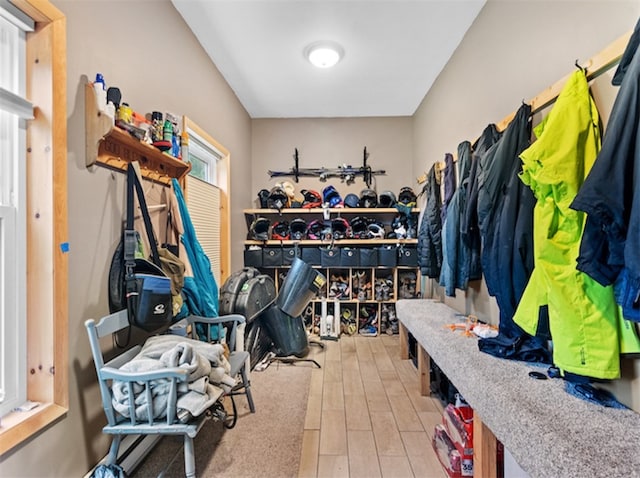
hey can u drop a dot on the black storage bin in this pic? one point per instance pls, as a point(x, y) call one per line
point(368, 257)
point(272, 257)
point(311, 255)
point(349, 257)
point(253, 257)
point(387, 256)
point(407, 256)
point(288, 254)
point(330, 257)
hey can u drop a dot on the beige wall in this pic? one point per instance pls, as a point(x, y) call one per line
point(144, 48)
point(512, 52)
point(328, 143)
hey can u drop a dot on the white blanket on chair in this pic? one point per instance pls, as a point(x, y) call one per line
point(208, 376)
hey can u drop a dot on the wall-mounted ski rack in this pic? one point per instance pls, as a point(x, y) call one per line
point(346, 173)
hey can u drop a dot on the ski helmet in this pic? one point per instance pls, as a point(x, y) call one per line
point(351, 200)
point(298, 229)
point(375, 231)
point(407, 197)
point(259, 229)
point(331, 197)
point(315, 229)
point(340, 228)
point(280, 231)
point(359, 227)
point(263, 198)
point(387, 199)
point(312, 199)
point(278, 198)
point(368, 198)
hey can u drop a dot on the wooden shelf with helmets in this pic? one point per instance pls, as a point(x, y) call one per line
point(367, 254)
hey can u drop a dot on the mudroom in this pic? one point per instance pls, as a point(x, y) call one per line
point(308, 239)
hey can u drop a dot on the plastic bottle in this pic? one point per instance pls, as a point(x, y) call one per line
point(156, 126)
point(113, 101)
point(125, 114)
point(175, 146)
point(101, 92)
point(98, 84)
point(110, 110)
point(167, 131)
point(184, 146)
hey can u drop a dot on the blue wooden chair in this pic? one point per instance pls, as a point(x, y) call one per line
point(209, 331)
point(171, 424)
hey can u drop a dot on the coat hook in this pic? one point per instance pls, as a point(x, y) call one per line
point(578, 66)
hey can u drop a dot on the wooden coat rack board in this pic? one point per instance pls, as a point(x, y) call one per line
point(595, 66)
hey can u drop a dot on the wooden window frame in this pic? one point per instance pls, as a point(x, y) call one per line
point(47, 246)
point(223, 182)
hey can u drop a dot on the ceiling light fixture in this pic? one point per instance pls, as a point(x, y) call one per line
point(324, 54)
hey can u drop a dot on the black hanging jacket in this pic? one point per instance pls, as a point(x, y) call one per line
point(469, 230)
point(497, 168)
point(430, 235)
point(610, 194)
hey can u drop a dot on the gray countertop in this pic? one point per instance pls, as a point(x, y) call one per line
point(549, 432)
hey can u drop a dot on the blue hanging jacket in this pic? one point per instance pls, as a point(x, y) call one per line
point(200, 291)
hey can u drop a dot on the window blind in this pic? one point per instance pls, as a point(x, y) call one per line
point(203, 201)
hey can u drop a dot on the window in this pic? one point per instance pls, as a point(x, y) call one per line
point(37, 204)
point(208, 196)
point(14, 110)
point(203, 157)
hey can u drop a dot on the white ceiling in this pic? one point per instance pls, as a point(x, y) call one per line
point(394, 51)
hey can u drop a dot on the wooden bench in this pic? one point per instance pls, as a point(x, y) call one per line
point(548, 432)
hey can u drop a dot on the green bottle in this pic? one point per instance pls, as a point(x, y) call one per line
point(167, 131)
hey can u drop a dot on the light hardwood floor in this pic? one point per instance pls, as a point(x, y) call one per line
point(365, 416)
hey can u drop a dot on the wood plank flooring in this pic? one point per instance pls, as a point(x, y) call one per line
point(365, 415)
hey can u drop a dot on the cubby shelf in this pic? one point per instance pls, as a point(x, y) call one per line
point(336, 243)
point(334, 211)
point(365, 308)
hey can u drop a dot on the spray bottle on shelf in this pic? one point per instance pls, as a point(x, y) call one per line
point(101, 91)
point(101, 97)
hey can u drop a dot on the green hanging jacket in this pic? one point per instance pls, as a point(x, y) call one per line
point(584, 319)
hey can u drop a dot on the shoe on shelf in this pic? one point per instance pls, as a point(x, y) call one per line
point(368, 331)
point(392, 313)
